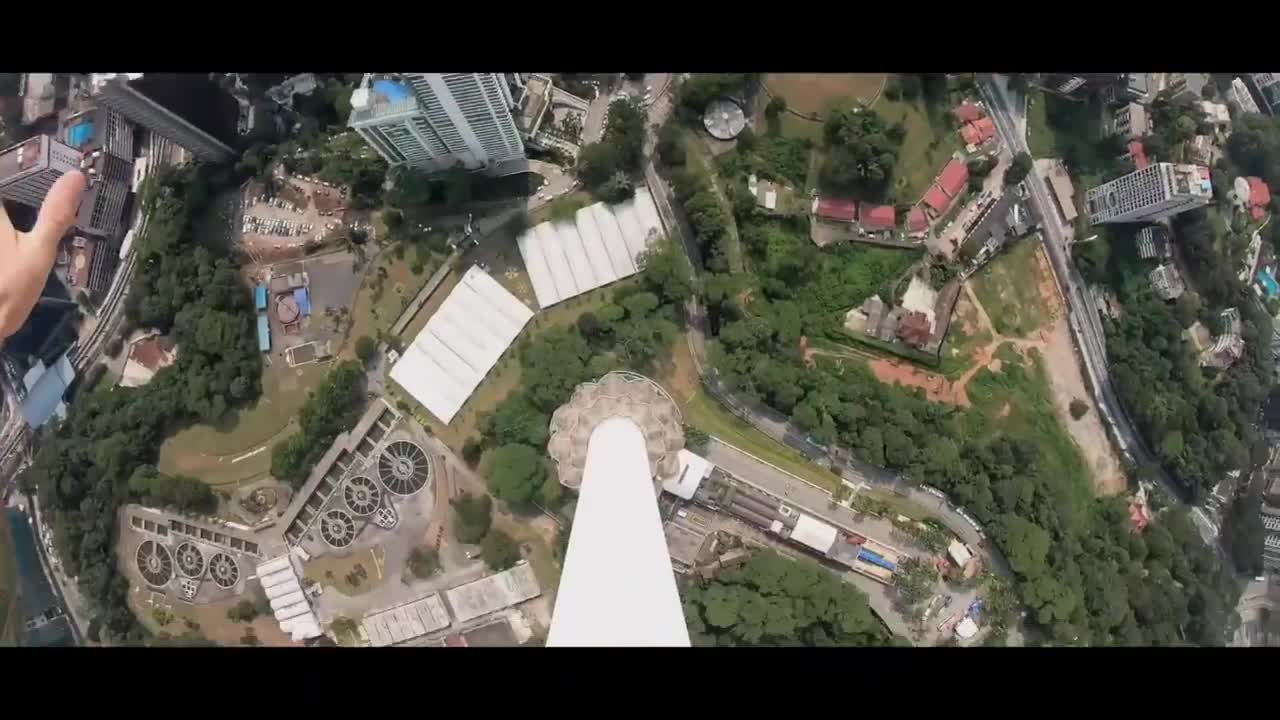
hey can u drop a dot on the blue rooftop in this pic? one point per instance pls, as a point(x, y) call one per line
point(264, 334)
point(1268, 283)
point(394, 91)
point(303, 299)
point(260, 297)
point(80, 134)
point(45, 388)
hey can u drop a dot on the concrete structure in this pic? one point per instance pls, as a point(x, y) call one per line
point(1129, 121)
point(618, 588)
point(959, 553)
point(1268, 87)
point(920, 298)
point(147, 355)
point(495, 592)
point(1158, 191)
point(436, 121)
point(29, 169)
point(624, 394)
point(724, 119)
point(1239, 97)
point(461, 342)
point(406, 622)
point(189, 110)
point(1060, 182)
point(693, 470)
point(1167, 282)
point(1216, 114)
point(1153, 243)
point(1271, 539)
point(602, 245)
point(280, 581)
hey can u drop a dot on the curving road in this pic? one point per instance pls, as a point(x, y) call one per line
point(1086, 326)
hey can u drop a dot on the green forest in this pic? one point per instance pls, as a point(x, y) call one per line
point(94, 463)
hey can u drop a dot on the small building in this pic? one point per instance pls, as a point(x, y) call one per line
point(953, 178)
point(1227, 349)
point(1138, 154)
point(1153, 243)
point(1167, 282)
point(879, 217)
point(693, 470)
point(148, 354)
point(264, 333)
point(1216, 114)
point(887, 329)
point(1202, 150)
point(1063, 192)
point(915, 329)
point(260, 298)
point(959, 553)
point(917, 221)
point(866, 318)
point(967, 112)
point(1239, 97)
point(1259, 199)
point(920, 298)
point(936, 200)
point(1129, 120)
point(835, 209)
point(45, 388)
point(970, 134)
point(986, 128)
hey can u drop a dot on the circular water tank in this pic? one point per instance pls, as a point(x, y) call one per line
point(287, 309)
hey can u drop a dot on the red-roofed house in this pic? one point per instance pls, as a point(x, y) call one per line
point(953, 178)
point(970, 134)
point(836, 209)
point(917, 222)
point(936, 200)
point(1139, 154)
point(1259, 198)
point(967, 112)
point(915, 329)
point(879, 217)
point(986, 128)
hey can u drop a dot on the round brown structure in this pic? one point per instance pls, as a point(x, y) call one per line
point(287, 309)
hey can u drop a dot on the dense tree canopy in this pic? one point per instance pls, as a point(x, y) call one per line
point(771, 600)
point(331, 408)
point(95, 461)
point(861, 153)
point(472, 517)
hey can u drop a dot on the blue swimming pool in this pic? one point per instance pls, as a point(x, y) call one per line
point(394, 91)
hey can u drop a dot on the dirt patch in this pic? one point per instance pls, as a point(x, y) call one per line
point(1006, 409)
point(808, 93)
point(936, 387)
point(994, 366)
point(210, 620)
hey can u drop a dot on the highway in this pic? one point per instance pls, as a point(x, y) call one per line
point(1086, 326)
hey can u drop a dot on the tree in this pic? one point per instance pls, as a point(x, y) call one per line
point(366, 348)
point(472, 517)
point(499, 550)
point(695, 439)
point(909, 86)
point(516, 474)
point(777, 105)
point(1018, 169)
point(423, 562)
point(915, 580)
point(243, 611)
point(1078, 408)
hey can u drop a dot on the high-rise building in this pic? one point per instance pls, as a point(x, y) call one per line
point(189, 109)
point(436, 121)
point(29, 169)
point(1154, 192)
point(105, 140)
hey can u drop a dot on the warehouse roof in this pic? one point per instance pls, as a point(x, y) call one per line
point(289, 603)
point(599, 247)
point(493, 593)
point(814, 533)
point(475, 324)
point(693, 470)
point(405, 622)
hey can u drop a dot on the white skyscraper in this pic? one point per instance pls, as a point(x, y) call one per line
point(1152, 193)
point(436, 121)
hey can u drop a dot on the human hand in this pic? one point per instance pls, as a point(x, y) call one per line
point(27, 257)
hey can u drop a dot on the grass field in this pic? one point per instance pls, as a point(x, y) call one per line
point(206, 451)
point(963, 337)
point(8, 584)
point(1040, 137)
point(928, 145)
point(812, 92)
point(1008, 289)
point(333, 571)
point(373, 311)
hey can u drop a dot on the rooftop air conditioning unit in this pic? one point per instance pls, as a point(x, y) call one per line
point(785, 511)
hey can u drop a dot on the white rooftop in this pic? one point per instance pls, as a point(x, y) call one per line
point(405, 622)
point(599, 247)
point(814, 533)
point(617, 588)
point(959, 553)
point(289, 603)
point(493, 593)
point(460, 344)
point(966, 628)
point(693, 470)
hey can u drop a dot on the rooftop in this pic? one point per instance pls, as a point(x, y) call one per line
point(967, 111)
point(836, 209)
point(916, 220)
point(879, 217)
point(953, 177)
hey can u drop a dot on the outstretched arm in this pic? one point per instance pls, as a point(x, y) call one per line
point(26, 258)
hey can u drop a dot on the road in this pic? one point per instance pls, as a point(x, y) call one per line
point(1086, 326)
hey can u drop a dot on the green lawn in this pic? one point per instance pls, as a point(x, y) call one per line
point(1040, 137)
point(928, 146)
point(705, 413)
point(206, 451)
point(1008, 290)
point(378, 303)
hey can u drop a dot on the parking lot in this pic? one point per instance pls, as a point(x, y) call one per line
point(279, 224)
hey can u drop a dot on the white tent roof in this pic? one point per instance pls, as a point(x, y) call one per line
point(600, 246)
point(814, 533)
point(693, 470)
point(460, 344)
point(617, 588)
point(288, 603)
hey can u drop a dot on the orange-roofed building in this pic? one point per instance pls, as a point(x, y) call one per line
point(917, 222)
point(953, 178)
point(970, 134)
point(1259, 197)
point(879, 217)
point(936, 200)
point(967, 112)
point(836, 209)
point(986, 128)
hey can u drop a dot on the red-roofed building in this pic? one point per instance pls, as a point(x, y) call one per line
point(970, 134)
point(836, 209)
point(917, 222)
point(915, 329)
point(967, 112)
point(1139, 155)
point(1259, 197)
point(879, 217)
point(986, 128)
point(953, 178)
point(936, 200)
